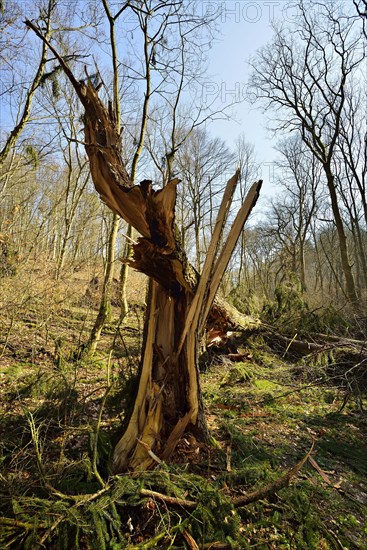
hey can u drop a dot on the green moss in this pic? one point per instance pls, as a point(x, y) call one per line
point(239, 373)
point(262, 423)
point(266, 385)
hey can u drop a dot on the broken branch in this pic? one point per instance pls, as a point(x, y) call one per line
point(275, 486)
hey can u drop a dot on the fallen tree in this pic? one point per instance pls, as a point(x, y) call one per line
point(333, 361)
point(168, 400)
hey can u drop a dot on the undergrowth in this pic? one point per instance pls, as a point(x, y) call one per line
point(59, 423)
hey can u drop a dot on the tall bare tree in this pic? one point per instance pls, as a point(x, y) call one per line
point(361, 8)
point(249, 168)
point(294, 209)
point(103, 310)
point(170, 40)
point(25, 99)
point(303, 74)
point(201, 162)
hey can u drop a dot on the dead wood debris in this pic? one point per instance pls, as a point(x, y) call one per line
point(275, 486)
point(241, 501)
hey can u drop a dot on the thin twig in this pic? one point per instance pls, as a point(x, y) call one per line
point(169, 500)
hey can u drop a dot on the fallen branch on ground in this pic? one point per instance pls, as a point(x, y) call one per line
point(168, 499)
point(273, 487)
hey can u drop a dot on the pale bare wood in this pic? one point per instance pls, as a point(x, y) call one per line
point(190, 331)
point(150, 452)
point(138, 417)
point(323, 474)
point(174, 501)
point(191, 350)
point(229, 246)
point(141, 459)
point(275, 486)
point(162, 206)
point(176, 435)
point(210, 257)
point(190, 540)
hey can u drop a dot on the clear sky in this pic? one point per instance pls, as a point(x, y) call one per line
point(245, 26)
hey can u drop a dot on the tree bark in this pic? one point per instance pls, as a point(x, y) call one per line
point(168, 397)
point(350, 287)
point(104, 306)
point(24, 118)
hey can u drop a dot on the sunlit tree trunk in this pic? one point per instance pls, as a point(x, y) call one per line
point(104, 305)
point(292, 75)
point(25, 114)
point(350, 287)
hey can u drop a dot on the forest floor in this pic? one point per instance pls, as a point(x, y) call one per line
point(59, 415)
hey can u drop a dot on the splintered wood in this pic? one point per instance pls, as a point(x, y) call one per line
point(168, 399)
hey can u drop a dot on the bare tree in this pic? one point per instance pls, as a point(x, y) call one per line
point(361, 8)
point(299, 176)
point(103, 311)
point(25, 105)
point(248, 166)
point(303, 75)
point(20, 84)
point(201, 161)
point(76, 175)
point(171, 39)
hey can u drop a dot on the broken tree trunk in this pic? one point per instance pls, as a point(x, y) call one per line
point(168, 400)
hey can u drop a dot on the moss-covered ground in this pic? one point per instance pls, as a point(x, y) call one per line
point(60, 414)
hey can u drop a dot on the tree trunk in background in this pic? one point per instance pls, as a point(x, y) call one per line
point(350, 288)
point(19, 127)
point(124, 272)
point(302, 266)
point(104, 306)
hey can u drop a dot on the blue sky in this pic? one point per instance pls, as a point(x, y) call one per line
point(245, 26)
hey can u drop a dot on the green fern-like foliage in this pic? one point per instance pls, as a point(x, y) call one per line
point(112, 517)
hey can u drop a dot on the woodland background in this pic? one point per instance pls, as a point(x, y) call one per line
point(71, 314)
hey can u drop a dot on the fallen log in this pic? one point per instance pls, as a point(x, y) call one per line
point(324, 343)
